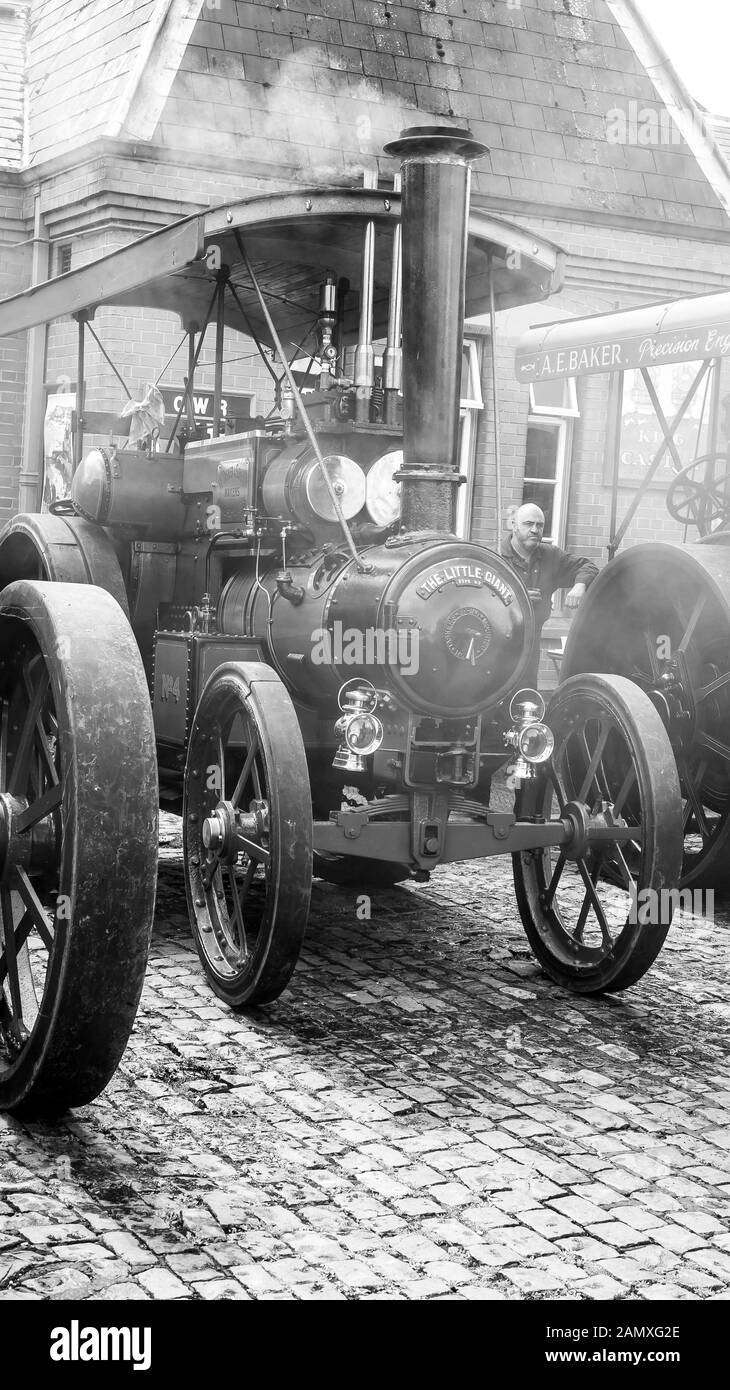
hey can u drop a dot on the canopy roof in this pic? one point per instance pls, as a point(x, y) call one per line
point(292, 240)
point(677, 330)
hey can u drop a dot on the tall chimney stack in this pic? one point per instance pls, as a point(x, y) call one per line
point(435, 165)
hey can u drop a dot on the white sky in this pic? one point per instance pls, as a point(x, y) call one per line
point(696, 35)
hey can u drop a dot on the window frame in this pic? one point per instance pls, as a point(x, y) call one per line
point(569, 411)
point(563, 428)
point(470, 406)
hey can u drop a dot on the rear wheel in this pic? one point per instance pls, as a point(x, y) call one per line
point(659, 614)
point(78, 842)
point(596, 911)
point(63, 548)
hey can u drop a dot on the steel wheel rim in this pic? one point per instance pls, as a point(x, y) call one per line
point(224, 881)
point(588, 897)
point(256, 810)
point(614, 781)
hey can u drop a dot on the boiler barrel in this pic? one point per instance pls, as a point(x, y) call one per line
point(448, 629)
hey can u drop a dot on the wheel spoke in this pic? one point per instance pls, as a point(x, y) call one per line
point(590, 775)
point(577, 933)
point(694, 799)
point(253, 849)
point(242, 941)
point(595, 901)
point(705, 691)
point(10, 955)
point(546, 898)
point(38, 810)
point(35, 907)
point(693, 621)
point(624, 790)
point(246, 772)
point(715, 745)
point(558, 787)
point(25, 743)
point(20, 934)
point(623, 866)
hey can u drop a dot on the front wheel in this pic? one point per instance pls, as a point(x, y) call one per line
point(247, 842)
point(596, 911)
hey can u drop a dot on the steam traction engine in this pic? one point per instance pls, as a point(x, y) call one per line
point(334, 673)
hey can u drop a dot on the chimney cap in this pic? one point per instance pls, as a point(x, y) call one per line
point(428, 140)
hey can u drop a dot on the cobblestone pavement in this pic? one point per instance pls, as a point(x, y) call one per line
point(422, 1115)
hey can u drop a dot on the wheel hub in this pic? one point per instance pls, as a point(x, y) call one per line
point(585, 823)
point(223, 830)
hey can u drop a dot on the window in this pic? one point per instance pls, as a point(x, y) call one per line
point(471, 384)
point(553, 405)
point(554, 397)
point(63, 259)
point(471, 402)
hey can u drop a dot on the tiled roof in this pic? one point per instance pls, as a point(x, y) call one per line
point(79, 60)
point(12, 64)
point(316, 91)
point(314, 88)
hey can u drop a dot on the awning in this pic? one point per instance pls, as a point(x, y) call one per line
point(678, 330)
point(292, 240)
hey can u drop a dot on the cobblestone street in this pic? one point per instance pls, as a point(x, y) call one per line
point(422, 1115)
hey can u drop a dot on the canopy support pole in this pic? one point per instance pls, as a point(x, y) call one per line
point(713, 431)
point(188, 388)
point(220, 331)
point(615, 416)
point(190, 380)
point(80, 388)
point(495, 408)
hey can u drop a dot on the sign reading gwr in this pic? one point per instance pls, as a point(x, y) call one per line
point(233, 407)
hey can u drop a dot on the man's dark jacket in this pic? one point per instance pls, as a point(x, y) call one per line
point(549, 569)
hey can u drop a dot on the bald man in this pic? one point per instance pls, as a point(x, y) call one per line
point(543, 568)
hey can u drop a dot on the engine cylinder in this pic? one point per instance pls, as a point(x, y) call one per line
point(293, 487)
